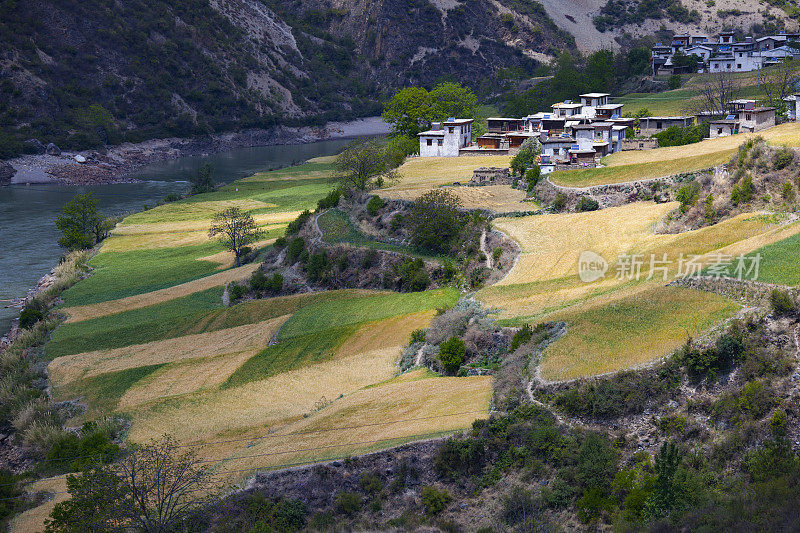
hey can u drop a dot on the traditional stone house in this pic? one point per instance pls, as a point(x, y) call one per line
point(723, 127)
point(639, 144)
point(752, 119)
point(652, 125)
point(491, 176)
point(446, 139)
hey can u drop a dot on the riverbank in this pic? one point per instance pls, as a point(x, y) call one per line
point(114, 164)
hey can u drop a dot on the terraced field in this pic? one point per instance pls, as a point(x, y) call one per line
point(147, 336)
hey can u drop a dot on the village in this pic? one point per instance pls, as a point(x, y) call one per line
point(578, 134)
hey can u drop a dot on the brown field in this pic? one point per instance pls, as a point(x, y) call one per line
point(498, 198)
point(85, 312)
point(171, 239)
point(250, 337)
point(33, 519)
point(421, 173)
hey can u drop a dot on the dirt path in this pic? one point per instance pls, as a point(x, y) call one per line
point(489, 258)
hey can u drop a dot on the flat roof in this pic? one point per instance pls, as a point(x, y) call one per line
point(594, 95)
point(568, 106)
point(431, 133)
point(457, 121)
point(582, 127)
point(666, 118)
point(558, 140)
point(505, 118)
point(610, 106)
point(723, 121)
point(758, 110)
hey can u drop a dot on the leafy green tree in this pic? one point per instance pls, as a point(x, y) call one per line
point(235, 229)
point(666, 494)
point(203, 180)
point(409, 111)
point(361, 164)
point(600, 70)
point(81, 224)
point(453, 100)
point(434, 221)
point(526, 157)
point(451, 354)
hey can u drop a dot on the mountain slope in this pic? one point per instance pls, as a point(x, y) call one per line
point(82, 73)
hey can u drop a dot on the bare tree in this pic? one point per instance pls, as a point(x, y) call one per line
point(236, 230)
point(777, 82)
point(716, 92)
point(153, 489)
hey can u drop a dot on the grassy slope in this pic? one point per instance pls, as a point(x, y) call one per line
point(780, 262)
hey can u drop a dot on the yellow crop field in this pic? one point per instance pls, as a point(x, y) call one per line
point(112, 307)
point(33, 519)
point(631, 331)
point(498, 198)
point(422, 173)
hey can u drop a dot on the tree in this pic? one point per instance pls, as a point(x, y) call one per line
point(665, 496)
point(152, 489)
point(716, 92)
point(361, 164)
point(203, 180)
point(80, 223)
point(435, 221)
point(526, 157)
point(409, 111)
point(451, 354)
point(453, 100)
point(777, 82)
point(236, 229)
point(600, 70)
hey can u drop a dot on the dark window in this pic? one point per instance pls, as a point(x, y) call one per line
point(451, 129)
point(439, 142)
point(430, 142)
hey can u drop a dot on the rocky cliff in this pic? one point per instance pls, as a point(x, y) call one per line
point(85, 72)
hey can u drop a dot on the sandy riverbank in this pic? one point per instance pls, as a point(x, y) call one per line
point(113, 164)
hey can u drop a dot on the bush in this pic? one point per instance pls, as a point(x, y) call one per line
point(371, 483)
point(295, 249)
point(674, 82)
point(787, 193)
point(297, 224)
point(435, 221)
point(521, 337)
point(347, 503)
point(781, 302)
point(688, 195)
point(587, 204)
point(744, 191)
point(434, 500)
point(559, 203)
point(236, 291)
point(28, 317)
point(71, 452)
point(533, 176)
point(374, 205)
point(318, 266)
point(451, 354)
point(783, 158)
point(417, 336)
point(460, 457)
point(332, 200)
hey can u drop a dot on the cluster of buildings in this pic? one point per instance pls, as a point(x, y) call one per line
point(574, 133)
point(577, 134)
point(724, 53)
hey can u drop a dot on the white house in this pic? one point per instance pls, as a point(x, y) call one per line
point(792, 106)
point(755, 119)
point(591, 101)
point(445, 139)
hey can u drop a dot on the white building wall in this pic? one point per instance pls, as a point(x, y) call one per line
point(435, 149)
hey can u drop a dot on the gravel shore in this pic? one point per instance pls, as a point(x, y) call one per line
point(112, 165)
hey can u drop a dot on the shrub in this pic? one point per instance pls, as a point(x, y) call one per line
point(460, 456)
point(71, 452)
point(451, 354)
point(435, 221)
point(787, 193)
point(587, 204)
point(526, 157)
point(28, 317)
point(295, 249)
point(532, 176)
point(411, 275)
point(371, 483)
point(497, 253)
point(743, 191)
point(434, 500)
point(374, 205)
point(781, 302)
point(347, 503)
point(297, 224)
point(783, 158)
point(236, 291)
point(417, 336)
point(318, 266)
point(332, 200)
point(280, 242)
point(521, 337)
point(688, 195)
point(674, 82)
point(560, 202)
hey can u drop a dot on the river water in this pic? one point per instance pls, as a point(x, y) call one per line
point(27, 213)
